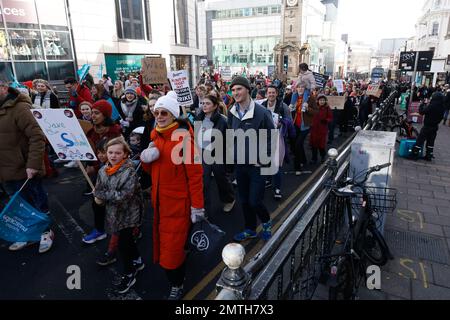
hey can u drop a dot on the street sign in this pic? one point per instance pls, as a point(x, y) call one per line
point(407, 61)
point(425, 59)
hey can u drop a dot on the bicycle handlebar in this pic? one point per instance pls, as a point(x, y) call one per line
point(368, 172)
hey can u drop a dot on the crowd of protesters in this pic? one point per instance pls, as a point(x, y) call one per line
point(135, 150)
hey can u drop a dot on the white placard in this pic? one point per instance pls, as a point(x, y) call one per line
point(339, 84)
point(63, 131)
point(179, 81)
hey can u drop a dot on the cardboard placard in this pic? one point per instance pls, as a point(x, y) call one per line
point(336, 102)
point(179, 80)
point(374, 90)
point(339, 84)
point(154, 70)
point(65, 134)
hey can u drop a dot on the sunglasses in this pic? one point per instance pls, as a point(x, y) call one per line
point(163, 113)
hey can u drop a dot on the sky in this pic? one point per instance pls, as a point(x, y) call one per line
point(370, 21)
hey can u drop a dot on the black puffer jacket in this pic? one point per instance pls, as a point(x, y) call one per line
point(434, 111)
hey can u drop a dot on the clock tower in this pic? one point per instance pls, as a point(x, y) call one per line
point(289, 52)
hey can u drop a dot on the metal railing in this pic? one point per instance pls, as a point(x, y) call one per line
point(288, 266)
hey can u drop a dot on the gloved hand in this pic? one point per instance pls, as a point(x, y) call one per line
point(305, 106)
point(150, 154)
point(124, 123)
point(197, 215)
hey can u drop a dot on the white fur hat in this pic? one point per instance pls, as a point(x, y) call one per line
point(170, 103)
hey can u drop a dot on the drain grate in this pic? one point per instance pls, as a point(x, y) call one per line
point(413, 245)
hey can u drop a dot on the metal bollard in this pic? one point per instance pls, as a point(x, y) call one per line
point(332, 162)
point(234, 281)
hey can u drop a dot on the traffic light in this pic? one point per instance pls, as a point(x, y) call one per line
point(286, 63)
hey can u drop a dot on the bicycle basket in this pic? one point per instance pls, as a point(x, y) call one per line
point(382, 200)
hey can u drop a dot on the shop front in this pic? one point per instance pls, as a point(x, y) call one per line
point(35, 40)
point(119, 65)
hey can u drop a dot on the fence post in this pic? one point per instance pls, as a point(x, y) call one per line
point(234, 281)
point(332, 163)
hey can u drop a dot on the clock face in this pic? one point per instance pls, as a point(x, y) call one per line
point(291, 3)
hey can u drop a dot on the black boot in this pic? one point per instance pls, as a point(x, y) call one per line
point(429, 156)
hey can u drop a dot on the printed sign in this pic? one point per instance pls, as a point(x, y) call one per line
point(154, 70)
point(63, 131)
point(339, 84)
point(321, 79)
point(374, 90)
point(122, 63)
point(179, 81)
point(336, 102)
point(226, 74)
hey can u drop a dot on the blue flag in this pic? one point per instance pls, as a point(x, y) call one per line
point(19, 221)
point(83, 71)
point(115, 114)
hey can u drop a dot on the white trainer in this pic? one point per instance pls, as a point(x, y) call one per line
point(46, 241)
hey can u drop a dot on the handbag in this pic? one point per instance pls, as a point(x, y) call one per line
point(205, 237)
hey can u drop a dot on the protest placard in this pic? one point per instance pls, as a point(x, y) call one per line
point(374, 90)
point(339, 84)
point(225, 73)
point(65, 134)
point(321, 79)
point(336, 102)
point(179, 81)
point(154, 70)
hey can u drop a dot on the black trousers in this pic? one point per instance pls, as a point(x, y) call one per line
point(427, 134)
point(176, 276)
point(128, 250)
point(314, 154)
point(300, 155)
point(226, 192)
point(99, 216)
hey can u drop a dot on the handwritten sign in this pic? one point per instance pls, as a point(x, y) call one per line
point(154, 70)
point(374, 90)
point(63, 131)
point(179, 81)
point(321, 79)
point(339, 84)
point(336, 102)
point(226, 73)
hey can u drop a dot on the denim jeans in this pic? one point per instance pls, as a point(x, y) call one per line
point(34, 192)
point(251, 186)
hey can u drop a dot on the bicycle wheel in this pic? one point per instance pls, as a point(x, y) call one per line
point(401, 133)
point(375, 247)
point(343, 290)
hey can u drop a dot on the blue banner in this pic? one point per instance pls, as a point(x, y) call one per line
point(19, 221)
point(115, 114)
point(83, 71)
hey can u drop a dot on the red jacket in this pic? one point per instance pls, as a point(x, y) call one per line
point(83, 94)
point(319, 127)
point(175, 189)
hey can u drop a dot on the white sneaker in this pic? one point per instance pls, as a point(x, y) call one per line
point(71, 164)
point(46, 241)
point(18, 246)
point(229, 206)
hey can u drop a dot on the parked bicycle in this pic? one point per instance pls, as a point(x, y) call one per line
point(405, 128)
point(361, 242)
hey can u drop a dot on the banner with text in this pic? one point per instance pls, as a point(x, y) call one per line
point(154, 70)
point(63, 131)
point(179, 80)
point(374, 90)
point(339, 84)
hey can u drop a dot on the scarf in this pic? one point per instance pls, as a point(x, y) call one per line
point(162, 130)
point(43, 100)
point(110, 170)
point(129, 107)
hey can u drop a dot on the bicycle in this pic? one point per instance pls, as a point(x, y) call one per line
point(345, 267)
point(405, 128)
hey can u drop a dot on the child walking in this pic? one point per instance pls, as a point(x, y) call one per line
point(118, 189)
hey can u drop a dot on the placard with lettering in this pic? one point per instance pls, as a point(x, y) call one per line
point(179, 80)
point(64, 132)
point(336, 102)
point(154, 70)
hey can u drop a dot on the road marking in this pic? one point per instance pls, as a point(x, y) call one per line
point(422, 268)
point(213, 273)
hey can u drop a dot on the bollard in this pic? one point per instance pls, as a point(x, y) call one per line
point(332, 162)
point(233, 278)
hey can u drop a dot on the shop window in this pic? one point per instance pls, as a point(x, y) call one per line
point(20, 14)
point(26, 71)
point(54, 19)
point(4, 52)
point(6, 70)
point(26, 44)
point(133, 19)
point(58, 70)
point(57, 45)
point(181, 21)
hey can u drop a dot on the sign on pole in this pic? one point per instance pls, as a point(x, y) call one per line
point(154, 70)
point(339, 84)
point(179, 80)
point(63, 131)
point(336, 102)
point(407, 61)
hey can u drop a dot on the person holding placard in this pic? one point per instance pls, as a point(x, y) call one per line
point(22, 156)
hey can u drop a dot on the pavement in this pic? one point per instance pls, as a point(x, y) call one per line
point(418, 231)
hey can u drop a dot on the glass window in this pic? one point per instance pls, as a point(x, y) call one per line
point(54, 19)
point(58, 70)
point(20, 13)
point(26, 44)
point(4, 51)
point(181, 22)
point(26, 71)
point(131, 20)
point(57, 45)
point(6, 71)
point(435, 30)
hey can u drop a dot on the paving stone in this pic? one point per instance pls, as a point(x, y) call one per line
point(392, 297)
point(442, 220)
point(366, 294)
point(444, 211)
point(439, 183)
point(418, 192)
point(427, 228)
point(410, 268)
point(431, 187)
point(393, 284)
point(396, 222)
point(422, 208)
point(446, 231)
point(435, 202)
point(441, 195)
point(441, 274)
point(432, 292)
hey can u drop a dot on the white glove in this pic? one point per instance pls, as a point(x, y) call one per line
point(305, 106)
point(124, 123)
point(150, 154)
point(197, 215)
point(291, 107)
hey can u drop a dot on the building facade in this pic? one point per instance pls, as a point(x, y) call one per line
point(433, 33)
point(243, 34)
point(359, 60)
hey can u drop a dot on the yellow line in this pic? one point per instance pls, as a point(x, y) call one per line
point(213, 273)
